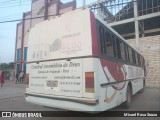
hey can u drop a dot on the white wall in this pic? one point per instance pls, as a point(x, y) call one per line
point(19, 35)
point(27, 28)
point(38, 10)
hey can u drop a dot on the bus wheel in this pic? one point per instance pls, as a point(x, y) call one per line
point(127, 103)
point(142, 90)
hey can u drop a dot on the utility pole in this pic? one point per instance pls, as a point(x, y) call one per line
point(98, 8)
point(136, 23)
point(84, 3)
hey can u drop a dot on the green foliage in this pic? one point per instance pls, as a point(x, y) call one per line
point(7, 65)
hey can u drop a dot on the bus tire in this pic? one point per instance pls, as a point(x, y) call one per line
point(142, 90)
point(127, 103)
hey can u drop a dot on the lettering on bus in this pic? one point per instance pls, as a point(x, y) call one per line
point(60, 70)
point(71, 42)
point(70, 91)
point(70, 83)
point(37, 66)
point(56, 65)
point(39, 77)
point(37, 85)
point(62, 77)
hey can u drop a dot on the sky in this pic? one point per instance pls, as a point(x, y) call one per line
point(10, 10)
point(13, 10)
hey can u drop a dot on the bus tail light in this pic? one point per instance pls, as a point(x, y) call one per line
point(27, 80)
point(89, 82)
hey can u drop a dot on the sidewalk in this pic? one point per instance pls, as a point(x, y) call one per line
point(10, 89)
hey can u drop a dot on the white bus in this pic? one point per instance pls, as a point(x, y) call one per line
point(77, 62)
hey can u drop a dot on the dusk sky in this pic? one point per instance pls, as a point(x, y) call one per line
point(13, 10)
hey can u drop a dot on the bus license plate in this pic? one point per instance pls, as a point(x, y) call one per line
point(52, 83)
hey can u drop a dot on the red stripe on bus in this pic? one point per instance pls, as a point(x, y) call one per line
point(94, 35)
point(115, 71)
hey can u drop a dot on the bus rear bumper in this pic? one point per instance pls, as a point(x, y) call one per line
point(82, 104)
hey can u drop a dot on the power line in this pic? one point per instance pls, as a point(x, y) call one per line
point(13, 1)
point(10, 15)
point(7, 1)
point(7, 21)
point(19, 13)
point(16, 20)
point(15, 4)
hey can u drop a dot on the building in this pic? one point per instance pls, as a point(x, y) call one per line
point(138, 21)
point(40, 10)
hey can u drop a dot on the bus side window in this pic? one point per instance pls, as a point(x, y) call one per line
point(135, 55)
point(130, 55)
point(142, 61)
point(127, 53)
point(138, 56)
point(134, 58)
point(114, 46)
point(109, 44)
point(100, 34)
point(102, 40)
point(118, 48)
point(122, 50)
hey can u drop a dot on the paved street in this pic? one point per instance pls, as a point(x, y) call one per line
point(12, 99)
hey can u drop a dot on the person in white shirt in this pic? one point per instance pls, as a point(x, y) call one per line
point(21, 75)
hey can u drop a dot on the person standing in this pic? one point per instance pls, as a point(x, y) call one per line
point(21, 75)
point(1, 77)
point(17, 78)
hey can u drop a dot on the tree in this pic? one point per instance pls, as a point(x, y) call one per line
point(7, 65)
point(11, 65)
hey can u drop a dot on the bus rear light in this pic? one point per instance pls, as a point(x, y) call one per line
point(89, 82)
point(27, 80)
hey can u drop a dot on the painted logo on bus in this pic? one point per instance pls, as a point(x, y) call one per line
point(114, 72)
